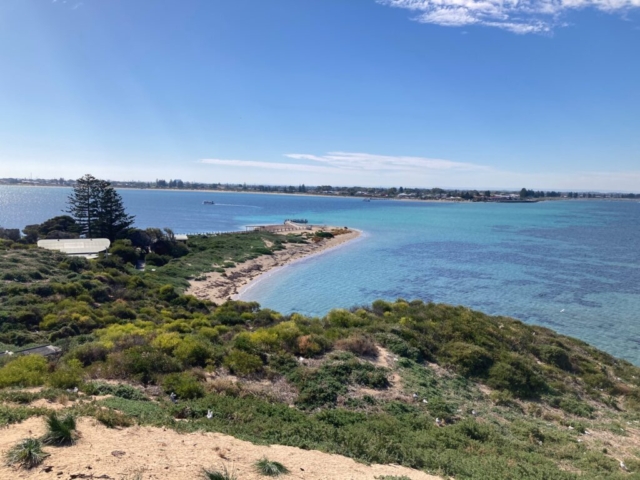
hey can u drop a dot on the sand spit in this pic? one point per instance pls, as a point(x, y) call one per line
point(157, 454)
point(219, 287)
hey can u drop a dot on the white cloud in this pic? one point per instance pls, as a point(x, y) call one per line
point(518, 16)
point(381, 163)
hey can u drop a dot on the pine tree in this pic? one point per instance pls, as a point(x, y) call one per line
point(112, 217)
point(98, 209)
point(83, 204)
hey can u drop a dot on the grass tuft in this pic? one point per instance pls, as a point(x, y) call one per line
point(27, 453)
point(60, 431)
point(223, 474)
point(270, 468)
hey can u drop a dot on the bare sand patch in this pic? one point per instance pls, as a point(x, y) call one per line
point(162, 454)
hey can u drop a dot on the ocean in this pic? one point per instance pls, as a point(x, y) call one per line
point(573, 266)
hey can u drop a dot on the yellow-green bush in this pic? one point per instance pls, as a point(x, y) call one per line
point(24, 371)
point(242, 363)
point(193, 351)
point(67, 375)
point(167, 342)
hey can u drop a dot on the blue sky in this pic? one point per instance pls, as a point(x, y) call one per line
point(448, 93)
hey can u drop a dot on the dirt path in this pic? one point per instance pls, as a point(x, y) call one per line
point(155, 454)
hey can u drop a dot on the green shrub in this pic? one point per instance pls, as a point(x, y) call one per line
point(24, 371)
point(516, 375)
point(184, 385)
point(89, 353)
point(112, 419)
point(193, 351)
point(120, 390)
point(556, 356)
point(60, 431)
point(270, 468)
point(469, 360)
point(359, 344)
point(576, 407)
point(243, 363)
point(68, 375)
point(141, 363)
point(27, 453)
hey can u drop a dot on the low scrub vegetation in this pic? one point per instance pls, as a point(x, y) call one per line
point(444, 389)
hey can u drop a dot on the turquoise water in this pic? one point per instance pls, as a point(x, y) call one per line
point(570, 266)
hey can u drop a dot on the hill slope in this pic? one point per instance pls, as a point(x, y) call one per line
point(443, 389)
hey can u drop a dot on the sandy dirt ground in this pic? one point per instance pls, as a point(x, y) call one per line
point(145, 453)
point(219, 287)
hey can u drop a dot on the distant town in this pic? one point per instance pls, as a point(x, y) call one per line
point(366, 193)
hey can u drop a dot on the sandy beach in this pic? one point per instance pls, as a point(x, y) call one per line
point(220, 287)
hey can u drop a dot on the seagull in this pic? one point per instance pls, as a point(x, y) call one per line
point(438, 421)
point(415, 395)
point(75, 389)
point(473, 412)
point(173, 397)
point(209, 414)
point(622, 465)
point(424, 400)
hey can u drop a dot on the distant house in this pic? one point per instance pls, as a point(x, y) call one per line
point(79, 247)
point(46, 351)
point(181, 238)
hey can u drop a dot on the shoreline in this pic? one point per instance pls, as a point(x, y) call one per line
point(321, 195)
point(269, 273)
point(221, 287)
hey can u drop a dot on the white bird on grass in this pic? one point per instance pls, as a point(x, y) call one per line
point(622, 465)
point(209, 414)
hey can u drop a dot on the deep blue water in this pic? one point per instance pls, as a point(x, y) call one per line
point(573, 266)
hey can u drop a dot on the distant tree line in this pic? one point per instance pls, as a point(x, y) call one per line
point(353, 191)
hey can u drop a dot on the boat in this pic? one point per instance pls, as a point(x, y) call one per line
point(208, 202)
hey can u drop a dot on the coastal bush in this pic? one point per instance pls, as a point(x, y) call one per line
point(120, 390)
point(359, 344)
point(141, 363)
point(517, 376)
point(556, 356)
point(193, 351)
point(184, 385)
point(89, 353)
point(469, 360)
point(68, 375)
point(27, 453)
point(113, 419)
point(242, 363)
point(24, 371)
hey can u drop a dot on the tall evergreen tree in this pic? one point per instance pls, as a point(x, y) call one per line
point(112, 217)
point(97, 208)
point(83, 204)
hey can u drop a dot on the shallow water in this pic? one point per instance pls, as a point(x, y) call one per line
point(573, 266)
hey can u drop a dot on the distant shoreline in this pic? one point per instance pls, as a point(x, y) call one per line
point(220, 287)
point(323, 195)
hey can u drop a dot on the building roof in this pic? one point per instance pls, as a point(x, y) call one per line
point(76, 246)
point(44, 351)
